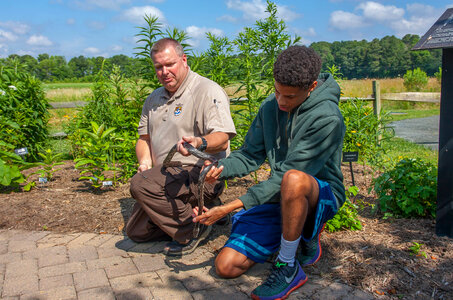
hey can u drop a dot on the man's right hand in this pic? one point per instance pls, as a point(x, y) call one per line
point(142, 167)
point(214, 173)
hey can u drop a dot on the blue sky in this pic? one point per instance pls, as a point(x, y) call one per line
point(107, 27)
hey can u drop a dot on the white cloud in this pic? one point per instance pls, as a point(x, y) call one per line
point(16, 27)
point(96, 25)
point(345, 20)
point(39, 40)
point(7, 36)
point(117, 48)
point(3, 50)
point(421, 18)
point(227, 18)
point(92, 50)
point(199, 33)
point(105, 4)
point(70, 21)
point(135, 14)
point(381, 13)
point(256, 9)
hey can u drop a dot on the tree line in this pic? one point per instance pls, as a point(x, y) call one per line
point(388, 57)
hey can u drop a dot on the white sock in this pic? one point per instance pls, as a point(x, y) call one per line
point(288, 250)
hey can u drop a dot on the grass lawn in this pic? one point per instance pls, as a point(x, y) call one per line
point(66, 85)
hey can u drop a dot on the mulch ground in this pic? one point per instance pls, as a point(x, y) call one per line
point(376, 258)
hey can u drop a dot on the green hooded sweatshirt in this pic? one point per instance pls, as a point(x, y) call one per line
point(309, 139)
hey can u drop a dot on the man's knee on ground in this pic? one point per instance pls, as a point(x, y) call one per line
point(228, 265)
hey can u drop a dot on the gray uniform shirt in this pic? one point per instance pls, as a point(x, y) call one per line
point(199, 107)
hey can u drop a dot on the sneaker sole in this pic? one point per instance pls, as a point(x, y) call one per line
point(199, 240)
point(310, 263)
point(299, 284)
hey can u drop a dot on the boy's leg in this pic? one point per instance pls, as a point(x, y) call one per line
point(254, 237)
point(299, 198)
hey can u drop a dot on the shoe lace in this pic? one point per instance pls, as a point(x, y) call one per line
point(277, 271)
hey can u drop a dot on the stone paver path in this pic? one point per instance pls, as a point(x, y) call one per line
point(44, 265)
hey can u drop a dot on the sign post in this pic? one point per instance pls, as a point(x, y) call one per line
point(440, 35)
point(350, 157)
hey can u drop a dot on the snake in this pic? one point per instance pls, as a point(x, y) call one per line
point(201, 178)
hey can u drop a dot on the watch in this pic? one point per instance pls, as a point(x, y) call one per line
point(204, 144)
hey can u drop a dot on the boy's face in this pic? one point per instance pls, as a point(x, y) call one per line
point(290, 97)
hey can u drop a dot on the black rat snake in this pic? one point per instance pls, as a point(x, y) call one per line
point(201, 178)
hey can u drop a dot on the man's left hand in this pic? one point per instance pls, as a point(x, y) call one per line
point(210, 216)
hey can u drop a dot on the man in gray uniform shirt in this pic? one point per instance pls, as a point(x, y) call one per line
point(188, 108)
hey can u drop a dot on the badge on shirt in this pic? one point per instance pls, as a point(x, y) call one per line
point(178, 109)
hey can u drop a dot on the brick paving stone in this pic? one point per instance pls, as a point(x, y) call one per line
point(60, 293)
point(308, 290)
point(52, 260)
point(149, 263)
point(37, 235)
point(360, 295)
point(172, 290)
point(134, 281)
point(111, 243)
point(220, 294)
point(105, 262)
point(21, 268)
point(125, 244)
point(82, 253)
point(27, 284)
point(194, 280)
point(101, 293)
point(81, 240)
point(68, 268)
point(109, 252)
point(127, 267)
point(10, 257)
point(48, 283)
point(134, 294)
point(333, 292)
point(56, 239)
point(99, 240)
point(21, 246)
point(90, 279)
point(141, 248)
point(3, 247)
point(45, 252)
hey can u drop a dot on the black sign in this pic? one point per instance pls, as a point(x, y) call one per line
point(21, 151)
point(350, 156)
point(440, 35)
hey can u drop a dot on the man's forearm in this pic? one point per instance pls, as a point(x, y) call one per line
point(217, 142)
point(143, 152)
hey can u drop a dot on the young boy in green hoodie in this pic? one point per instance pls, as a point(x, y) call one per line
point(300, 131)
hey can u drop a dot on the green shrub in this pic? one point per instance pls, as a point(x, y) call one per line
point(408, 190)
point(415, 80)
point(364, 130)
point(22, 102)
point(347, 216)
point(438, 75)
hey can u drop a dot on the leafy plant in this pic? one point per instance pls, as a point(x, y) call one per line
point(438, 75)
point(415, 80)
point(97, 155)
point(364, 130)
point(347, 216)
point(409, 189)
point(50, 161)
point(415, 249)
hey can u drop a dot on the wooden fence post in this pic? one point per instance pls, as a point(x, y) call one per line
point(377, 104)
point(377, 98)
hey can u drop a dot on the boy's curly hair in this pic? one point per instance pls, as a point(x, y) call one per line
point(297, 66)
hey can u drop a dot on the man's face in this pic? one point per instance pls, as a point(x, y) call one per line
point(289, 97)
point(171, 69)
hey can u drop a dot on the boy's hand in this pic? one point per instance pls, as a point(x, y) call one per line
point(213, 174)
point(210, 216)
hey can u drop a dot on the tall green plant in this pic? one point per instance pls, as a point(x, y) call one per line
point(218, 56)
point(415, 80)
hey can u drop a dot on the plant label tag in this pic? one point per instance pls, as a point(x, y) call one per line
point(42, 179)
point(350, 156)
point(21, 151)
point(107, 183)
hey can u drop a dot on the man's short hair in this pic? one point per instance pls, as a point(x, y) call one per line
point(162, 44)
point(297, 66)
